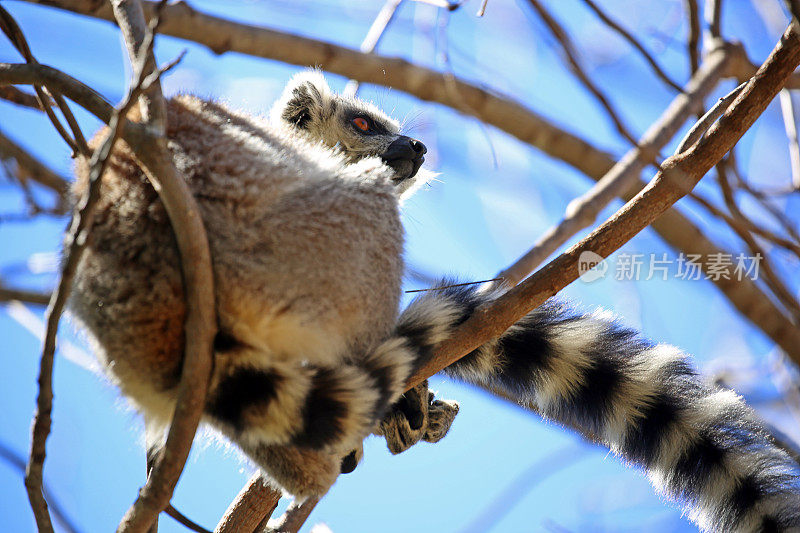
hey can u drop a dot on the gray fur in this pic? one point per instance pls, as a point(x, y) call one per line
point(302, 218)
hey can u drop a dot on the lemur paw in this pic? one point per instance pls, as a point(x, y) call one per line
point(416, 416)
point(441, 414)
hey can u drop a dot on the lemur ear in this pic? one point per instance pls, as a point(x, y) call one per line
point(306, 98)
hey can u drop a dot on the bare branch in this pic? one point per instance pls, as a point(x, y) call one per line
point(15, 96)
point(583, 211)
point(790, 123)
point(693, 38)
point(764, 201)
point(713, 16)
point(220, 35)
point(130, 19)
point(572, 57)
point(17, 462)
point(184, 520)
point(374, 35)
point(294, 517)
point(76, 242)
point(198, 278)
point(679, 175)
point(625, 34)
point(747, 225)
point(705, 122)
point(81, 94)
point(198, 283)
point(255, 503)
point(35, 169)
point(12, 30)
point(770, 277)
point(31, 297)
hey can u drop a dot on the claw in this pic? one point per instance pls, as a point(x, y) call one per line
point(416, 416)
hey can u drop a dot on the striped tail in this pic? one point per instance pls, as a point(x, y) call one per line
point(699, 444)
point(258, 401)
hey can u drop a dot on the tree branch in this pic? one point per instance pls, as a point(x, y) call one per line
point(577, 69)
point(193, 248)
point(8, 295)
point(582, 211)
point(639, 47)
point(77, 143)
point(35, 170)
point(373, 37)
point(15, 96)
point(693, 36)
point(76, 242)
point(295, 516)
point(254, 503)
point(679, 175)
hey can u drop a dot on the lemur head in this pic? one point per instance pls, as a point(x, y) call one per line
point(357, 128)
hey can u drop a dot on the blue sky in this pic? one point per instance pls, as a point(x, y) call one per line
point(500, 468)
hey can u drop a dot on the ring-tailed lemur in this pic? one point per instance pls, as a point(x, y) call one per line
point(302, 218)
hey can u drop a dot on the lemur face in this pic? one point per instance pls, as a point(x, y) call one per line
point(357, 128)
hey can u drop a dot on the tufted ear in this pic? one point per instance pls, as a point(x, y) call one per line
point(306, 98)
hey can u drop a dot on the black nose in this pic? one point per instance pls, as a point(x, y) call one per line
point(404, 148)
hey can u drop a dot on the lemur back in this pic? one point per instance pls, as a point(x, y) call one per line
point(302, 217)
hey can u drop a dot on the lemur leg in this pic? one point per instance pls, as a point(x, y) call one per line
point(302, 472)
point(299, 421)
point(417, 416)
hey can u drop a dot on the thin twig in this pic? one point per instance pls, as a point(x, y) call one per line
point(295, 516)
point(763, 200)
point(374, 35)
point(693, 37)
point(522, 484)
point(131, 21)
point(746, 225)
point(35, 169)
point(771, 278)
point(583, 211)
point(77, 142)
point(633, 41)
point(577, 69)
point(17, 462)
point(15, 96)
point(183, 520)
point(443, 287)
point(790, 124)
point(713, 17)
point(701, 126)
point(37, 298)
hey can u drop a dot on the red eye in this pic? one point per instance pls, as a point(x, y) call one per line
point(361, 123)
